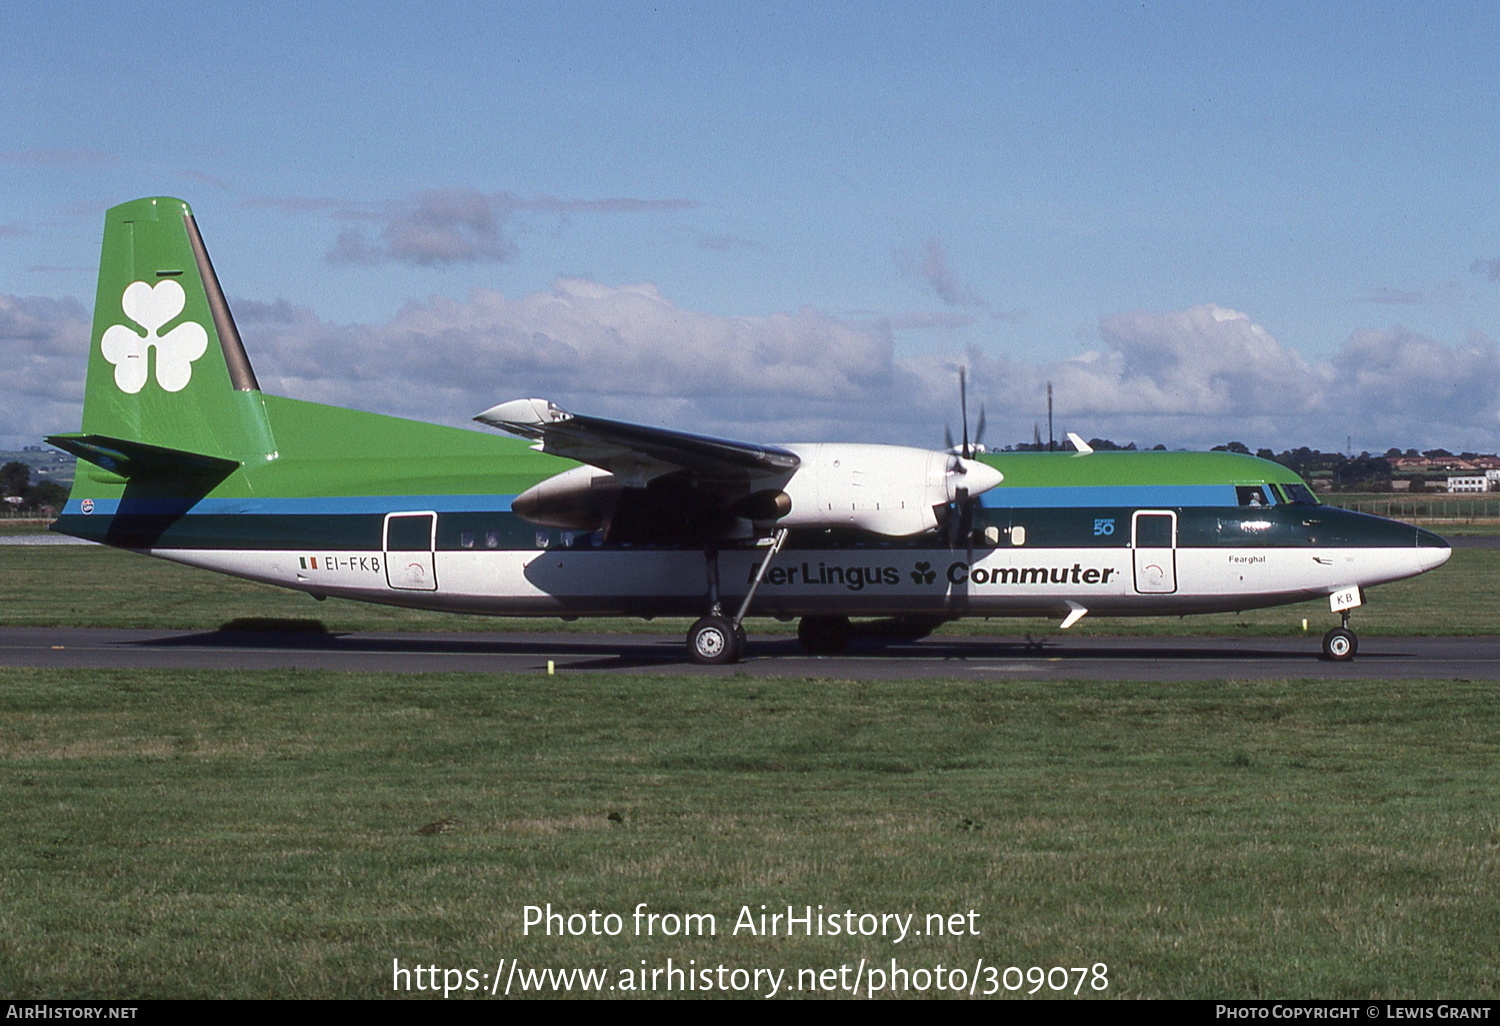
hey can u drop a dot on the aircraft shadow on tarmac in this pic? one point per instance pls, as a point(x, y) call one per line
point(627, 651)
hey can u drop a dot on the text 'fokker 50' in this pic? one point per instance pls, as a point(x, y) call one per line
point(189, 460)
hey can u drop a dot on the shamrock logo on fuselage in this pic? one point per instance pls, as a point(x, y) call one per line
point(175, 351)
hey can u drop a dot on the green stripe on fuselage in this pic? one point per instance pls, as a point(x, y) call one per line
point(330, 452)
point(486, 526)
point(1121, 469)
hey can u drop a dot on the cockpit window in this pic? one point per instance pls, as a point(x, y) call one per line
point(1300, 493)
point(1252, 495)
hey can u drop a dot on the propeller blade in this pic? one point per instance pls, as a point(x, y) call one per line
point(960, 510)
point(963, 406)
point(966, 527)
point(947, 438)
point(957, 516)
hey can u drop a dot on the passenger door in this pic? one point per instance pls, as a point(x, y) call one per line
point(409, 542)
point(1153, 536)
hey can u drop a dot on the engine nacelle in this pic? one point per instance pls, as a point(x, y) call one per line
point(886, 489)
point(581, 499)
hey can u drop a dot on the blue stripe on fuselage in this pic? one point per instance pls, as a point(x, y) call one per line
point(1109, 496)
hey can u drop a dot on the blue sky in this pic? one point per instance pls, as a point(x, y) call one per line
point(1270, 222)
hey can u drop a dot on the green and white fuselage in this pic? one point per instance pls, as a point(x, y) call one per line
point(434, 541)
point(187, 459)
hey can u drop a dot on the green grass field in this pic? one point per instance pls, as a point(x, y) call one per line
point(289, 834)
point(95, 586)
point(218, 834)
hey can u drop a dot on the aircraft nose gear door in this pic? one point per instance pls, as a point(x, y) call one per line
point(1153, 536)
point(409, 542)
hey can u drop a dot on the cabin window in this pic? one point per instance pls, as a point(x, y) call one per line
point(409, 532)
point(466, 539)
point(1018, 535)
point(1155, 530)
point(1252, 495)
point(492, 539)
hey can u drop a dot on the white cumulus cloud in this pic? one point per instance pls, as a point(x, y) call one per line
point(44, 346)
point(623, 351)
point(1194, 378)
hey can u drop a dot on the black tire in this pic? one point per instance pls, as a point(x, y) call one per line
point(1340, 645)
point(713, 641)
point(823, 635)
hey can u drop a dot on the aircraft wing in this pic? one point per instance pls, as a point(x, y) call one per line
point(636, 454)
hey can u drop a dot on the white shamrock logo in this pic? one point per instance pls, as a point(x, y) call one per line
point(175, 351)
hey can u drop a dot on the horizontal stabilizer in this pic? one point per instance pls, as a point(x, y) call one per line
point(134, 460)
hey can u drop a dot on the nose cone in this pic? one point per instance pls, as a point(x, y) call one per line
point(973, 476)
point(1432, 551)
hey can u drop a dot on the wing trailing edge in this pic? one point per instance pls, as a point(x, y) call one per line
point(634, 453)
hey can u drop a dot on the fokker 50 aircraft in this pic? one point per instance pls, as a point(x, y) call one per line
point(189, 460)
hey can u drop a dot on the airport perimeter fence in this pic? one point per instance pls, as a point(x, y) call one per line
point(1440, 509)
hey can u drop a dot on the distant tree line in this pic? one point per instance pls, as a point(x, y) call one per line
point(1362, 473)
point(1097, 444)
point(19, 496)
point(1349, 473)
point(1332, 470)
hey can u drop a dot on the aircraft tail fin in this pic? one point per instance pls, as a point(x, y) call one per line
point(167, 370)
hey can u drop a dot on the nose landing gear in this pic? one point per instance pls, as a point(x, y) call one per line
point(1340, 644)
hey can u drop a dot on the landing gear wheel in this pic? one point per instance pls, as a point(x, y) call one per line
point(823, 635)
point(714, 640)
point(1340, 644)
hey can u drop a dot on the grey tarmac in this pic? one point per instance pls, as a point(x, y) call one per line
point(1060, 658)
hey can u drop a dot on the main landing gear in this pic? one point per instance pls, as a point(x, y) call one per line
point(716, 639)
point(1340, 644)
point(713, 640)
